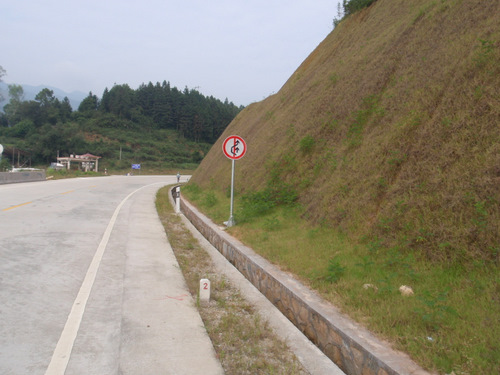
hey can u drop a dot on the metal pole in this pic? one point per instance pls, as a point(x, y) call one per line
point(230, 222)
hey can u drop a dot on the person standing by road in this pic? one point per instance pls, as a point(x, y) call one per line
point(178, 177)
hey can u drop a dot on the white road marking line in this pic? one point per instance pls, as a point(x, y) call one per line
point(64, 347)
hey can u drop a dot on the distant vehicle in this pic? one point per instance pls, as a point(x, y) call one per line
point(56, 166)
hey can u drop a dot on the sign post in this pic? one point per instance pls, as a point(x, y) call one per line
point(234, 147)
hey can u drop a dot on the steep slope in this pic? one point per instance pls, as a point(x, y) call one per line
point(390, 130)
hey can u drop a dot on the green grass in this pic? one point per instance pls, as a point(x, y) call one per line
point(449, 324)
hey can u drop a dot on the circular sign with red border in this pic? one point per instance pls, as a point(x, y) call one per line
point(234, 147)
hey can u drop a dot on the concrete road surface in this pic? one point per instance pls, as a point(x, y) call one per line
point(89, 284)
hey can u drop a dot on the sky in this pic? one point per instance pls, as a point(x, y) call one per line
point(242, 50)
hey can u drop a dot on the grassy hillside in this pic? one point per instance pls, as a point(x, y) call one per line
point(389, 129)
point(388, 137)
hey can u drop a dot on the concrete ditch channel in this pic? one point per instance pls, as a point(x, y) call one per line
point(343, 342)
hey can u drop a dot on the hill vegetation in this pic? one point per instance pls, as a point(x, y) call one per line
point(391, 125)
point(156, 125)
point(386, 142)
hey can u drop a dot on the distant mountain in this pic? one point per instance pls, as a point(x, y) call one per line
point(75, 97)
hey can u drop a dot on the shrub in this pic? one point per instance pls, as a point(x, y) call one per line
point(257, 203)
point(349, 7)
point(334, 271)
point(352, 6)
point(307, 144)
point(209, 199)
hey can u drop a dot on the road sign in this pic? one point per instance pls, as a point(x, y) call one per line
point(234, 147)
point(136, 166)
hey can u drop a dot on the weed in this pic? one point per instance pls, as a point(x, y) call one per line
point(209, 199)
point(394, 258)
point(254, 204)
point(312, 233)
point(382, 183)
point(333, 78)
point(419, 16)
point(386, 282)
point(194, 190)
point(305, 183)
point(434, 310)
point(334, 271)
point(269, 116)
point(478, 92)
point(318, 166)
point(307, 144)
point(331, 158)
point(385, 223)
point(370, 106)
point(481, 215)
point(344, 189)
point(271, 223)
point(397, 158)
point(484, 55)
point(366, 263)
point(375, 246)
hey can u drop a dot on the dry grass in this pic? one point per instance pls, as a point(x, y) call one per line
point(243, 340)
point(402, 103)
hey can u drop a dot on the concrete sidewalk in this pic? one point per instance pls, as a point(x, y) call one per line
point(149, 323)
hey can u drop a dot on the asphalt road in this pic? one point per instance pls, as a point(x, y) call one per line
point(88, 286)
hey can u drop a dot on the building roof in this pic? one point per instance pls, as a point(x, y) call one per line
point(86, 156)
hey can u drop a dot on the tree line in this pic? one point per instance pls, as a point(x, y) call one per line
point(46, 124)
point(160, 106)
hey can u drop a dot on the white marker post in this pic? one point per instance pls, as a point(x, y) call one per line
point(204, 290)
point(234, 147)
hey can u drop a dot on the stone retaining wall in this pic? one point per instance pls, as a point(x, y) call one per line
point(15, 177)
point(355, 350)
